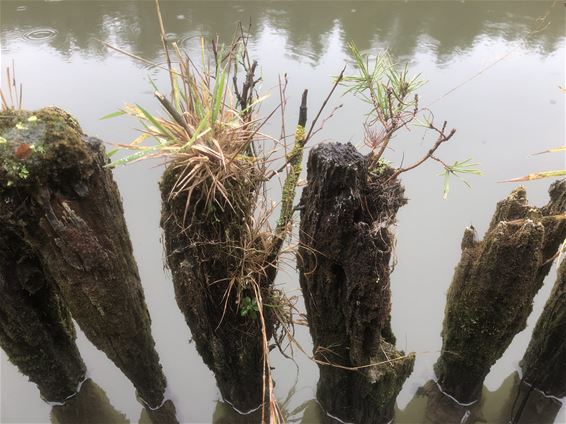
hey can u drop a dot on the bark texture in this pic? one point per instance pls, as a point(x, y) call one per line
point(493, 287)
point(206, 262)
point(544, 363)
point(36, 330)
point(344, 260)
point(59, 198)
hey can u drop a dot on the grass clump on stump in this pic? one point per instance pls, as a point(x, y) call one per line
point(493, 287)
point(60, 203)
point(220, 247)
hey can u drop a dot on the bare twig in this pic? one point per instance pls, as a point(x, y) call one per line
point(310, 133)
point(338, 80)
point(173, 112)
point(442, 137)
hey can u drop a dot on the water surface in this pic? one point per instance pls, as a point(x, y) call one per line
point(491, 75)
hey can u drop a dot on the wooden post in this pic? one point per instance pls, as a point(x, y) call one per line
point(36, 330)
point(59, 198)
point(344, 261)
point(494, 284)
point(544, 363)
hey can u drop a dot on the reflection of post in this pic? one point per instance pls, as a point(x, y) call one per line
point(493, 288)
point(431, 406)
point(523, 405)
point(344, 258)
point(58, 197)
point(225, 414)
point(36, 330)
point(544, 363)
point(165, 414)
point(513, 402)
point(89, 406)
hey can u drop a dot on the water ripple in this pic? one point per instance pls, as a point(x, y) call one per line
point(40, 34)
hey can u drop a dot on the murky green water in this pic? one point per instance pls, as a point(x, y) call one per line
point(490, 75)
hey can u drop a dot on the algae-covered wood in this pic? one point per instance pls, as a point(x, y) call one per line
point(493, 287)
point(59, 198)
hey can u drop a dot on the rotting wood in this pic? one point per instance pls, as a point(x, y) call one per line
point(544, 363)
point(36, 330)
point(59, 198)
point(202, 259)
point(493, 287)
point(344, 259)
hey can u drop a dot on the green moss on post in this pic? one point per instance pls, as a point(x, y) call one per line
point(36, 330)
point(203, 257)
point(544, 363)
point(344, 261)
point(492, 291)
point(67, 209)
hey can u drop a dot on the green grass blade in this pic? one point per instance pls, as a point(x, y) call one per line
point(113, 114)
point(156, 123)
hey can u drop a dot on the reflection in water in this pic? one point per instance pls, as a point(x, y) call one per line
point(225, 414)
point(512, 402)
point(524, 405)
point(308, 412)
point(431, 406)
point(165, 414)
point(89, 406)
point(449, 27)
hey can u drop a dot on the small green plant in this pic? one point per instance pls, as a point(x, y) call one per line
point(394, 104)
point(249, 308)
point(458, 169)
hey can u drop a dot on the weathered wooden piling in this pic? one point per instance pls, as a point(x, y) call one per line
point(59, 198)
point(204, 257)
point(493, 287)
point(36, 330)
point(544, 363)
point(344, 259)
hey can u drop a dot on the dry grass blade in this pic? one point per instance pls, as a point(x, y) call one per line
point(13, 95)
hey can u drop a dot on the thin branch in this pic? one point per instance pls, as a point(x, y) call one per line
point(442, 138)
point(173, 112)
point(338, 80)
point(310, 133)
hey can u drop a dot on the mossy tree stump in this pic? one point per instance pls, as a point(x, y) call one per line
point(344, 261)
point(493, 287)
point(36, 330)
point(204, 246)
point(544, 363)
point(59, 199)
